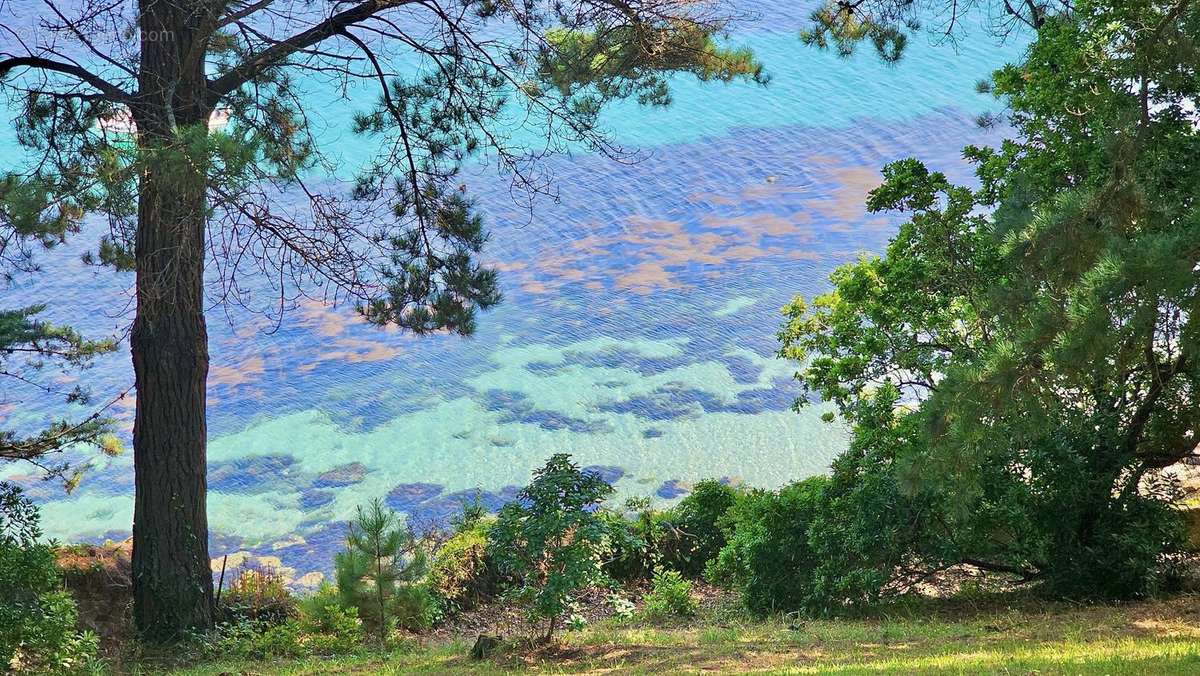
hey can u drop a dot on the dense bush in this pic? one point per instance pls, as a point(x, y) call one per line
point(767, 556)
point(332, 626)
point(415, 607)
point(695, 535)
point(461, 574)
point(318, 624)
point(636, 539)
point(37, 616)
point(256, 640)
point(885, 525)
point(669, 597)
point(549, 543)
point(1085, 541)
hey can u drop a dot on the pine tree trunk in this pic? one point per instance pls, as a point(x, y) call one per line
point(172, 579)
point(171, 572)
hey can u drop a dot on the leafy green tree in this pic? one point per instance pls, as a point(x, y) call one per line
point(116, 102)
point(551, 540)
point(377, 571)
point(1022, 361)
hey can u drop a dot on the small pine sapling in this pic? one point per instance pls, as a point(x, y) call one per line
point(381, 559)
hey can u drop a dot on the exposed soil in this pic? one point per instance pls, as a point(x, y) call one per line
point(100, 579)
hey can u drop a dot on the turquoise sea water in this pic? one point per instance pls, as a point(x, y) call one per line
point(637, 332)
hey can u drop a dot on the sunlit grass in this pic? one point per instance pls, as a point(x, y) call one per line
point(1160, 637)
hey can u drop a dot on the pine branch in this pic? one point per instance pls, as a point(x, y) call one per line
point(280, 51)
point(111, 91)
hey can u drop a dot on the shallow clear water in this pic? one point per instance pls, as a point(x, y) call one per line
point(637, 332)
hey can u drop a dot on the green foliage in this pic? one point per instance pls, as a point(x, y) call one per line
point(416, 607)
point(636, 539)
point(256, 641)
point(695, 524)
point(768, 556)
point(1021, 363)
point(550, 541)
point(37, 616)
point(379, 570)
point(870, 528)
point(257, 595)
point(461, 574)
point(842, 26)
point(622, 608)
point(575, 622)
point(331, 628)
point(323, 610)
point(886, 25)
point(682, 538)
point(669, 597)
point(29, 346)
point(593, 67)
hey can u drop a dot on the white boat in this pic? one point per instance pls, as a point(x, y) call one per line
point(123, 123)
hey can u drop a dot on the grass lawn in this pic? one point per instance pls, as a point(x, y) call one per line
point(1157, 637)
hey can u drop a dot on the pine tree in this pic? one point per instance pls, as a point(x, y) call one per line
point(30, 347)
point(124, 133)
point(887, 24)
point(381, 557)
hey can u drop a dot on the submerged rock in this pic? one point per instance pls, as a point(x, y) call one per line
point(609, 474)
point(404, 497)
point(341, 476)
point(672, 489)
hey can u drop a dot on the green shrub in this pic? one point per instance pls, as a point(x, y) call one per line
point(576, 622)
point(322, 610)
point(622, 608)
point(634, 540)
point(670, 596)
point(415, 607)
point(1056, 523)
point(767, 556)
point(870, 525)
point(695, 535)
point(257, 594)
point(461, 573)
point(37, 616)
point(332, 627)
point(257, 641)
point(550, 542)
point(1094, 545)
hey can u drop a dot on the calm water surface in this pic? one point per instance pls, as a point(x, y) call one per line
point(638, 328)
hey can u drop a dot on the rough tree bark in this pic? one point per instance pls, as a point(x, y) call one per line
point(172, 578)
